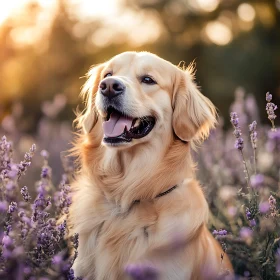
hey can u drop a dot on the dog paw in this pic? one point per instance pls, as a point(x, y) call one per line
point(142, 271)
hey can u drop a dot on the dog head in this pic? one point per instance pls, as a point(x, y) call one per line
point(137, 97)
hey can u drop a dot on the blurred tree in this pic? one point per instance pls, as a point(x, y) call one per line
point(234, 43)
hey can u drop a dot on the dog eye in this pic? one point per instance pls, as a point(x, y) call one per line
point(108, 75)
point(148, 80)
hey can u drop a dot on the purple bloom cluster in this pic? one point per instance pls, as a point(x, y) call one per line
point(34, 224)
point(221, 232)
point(25, 194)
point(270, 108)
point(254, 237)
point(253, 134)
point(272, 206)
point(12, 207)
point(63, 197)
point(237, 131)
point(250, 218)
point(32, 242)
point(23, 165)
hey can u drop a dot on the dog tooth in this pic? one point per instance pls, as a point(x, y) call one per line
point(137, 123)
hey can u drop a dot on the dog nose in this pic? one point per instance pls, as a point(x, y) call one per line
point(111, 87)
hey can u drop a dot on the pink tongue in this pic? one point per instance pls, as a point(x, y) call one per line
point(116, 124)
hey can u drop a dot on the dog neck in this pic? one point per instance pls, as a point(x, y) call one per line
point(128, 175)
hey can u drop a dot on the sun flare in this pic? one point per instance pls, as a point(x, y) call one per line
point(84, 8)
point(7, 8)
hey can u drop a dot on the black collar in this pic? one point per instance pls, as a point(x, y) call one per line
point(161, 194)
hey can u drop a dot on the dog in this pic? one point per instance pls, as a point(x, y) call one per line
point(136, 202)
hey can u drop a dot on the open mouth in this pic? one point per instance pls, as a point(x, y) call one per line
point(119, 128)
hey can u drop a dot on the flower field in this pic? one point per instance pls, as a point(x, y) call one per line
point(239, 170)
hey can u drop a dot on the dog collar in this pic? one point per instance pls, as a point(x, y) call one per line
point(161, 194)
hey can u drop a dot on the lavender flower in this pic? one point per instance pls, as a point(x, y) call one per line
point(22, 167)
point(221, 232)
point(25, 194)
point(252, 223)
point(62, 229)
point(270, 108)
point(253, 136)
point(248, 214)
point(13, 171)
point(268, 97)
point(63, 198)
point(75, 240)
point(46, 172)
point(24, 223)
point(30, 238)
point(12, 207)
point(239, 143)
point(237, 131)
point(272, 206)
point(5, 153)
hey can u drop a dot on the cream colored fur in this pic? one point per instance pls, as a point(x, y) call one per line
point(168, 232)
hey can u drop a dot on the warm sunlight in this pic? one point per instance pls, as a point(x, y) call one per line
point(84, 8)
point(97, 9)
point(218, 33)
point(10, 7)
point(208, 5)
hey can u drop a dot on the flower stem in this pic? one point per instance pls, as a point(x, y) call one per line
point(255, 161)
point(246, 171)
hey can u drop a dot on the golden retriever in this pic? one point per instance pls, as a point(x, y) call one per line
point(136, 203)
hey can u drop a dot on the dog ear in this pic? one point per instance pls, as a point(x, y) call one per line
point(193, 113)
point(88, 118)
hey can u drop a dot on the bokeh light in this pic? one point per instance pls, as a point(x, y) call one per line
point(218, 33)
point(208, 5)
point(246, 12)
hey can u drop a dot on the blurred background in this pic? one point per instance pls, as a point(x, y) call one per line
point(47, 46)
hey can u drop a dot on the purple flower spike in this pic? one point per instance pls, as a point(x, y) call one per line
point(22, 167)
point(12, 207)
point(46, 172)
point(253, 134)
point(239, 144)
point(248, 214)
point(25, 194)
point(272, 206)
point(253, 223)
point(268, 97)
point(270, 108)
point(221, 232)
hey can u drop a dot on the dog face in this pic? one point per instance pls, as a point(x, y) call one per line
point(139, 97)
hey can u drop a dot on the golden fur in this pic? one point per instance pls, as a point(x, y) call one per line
point(168, 232)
